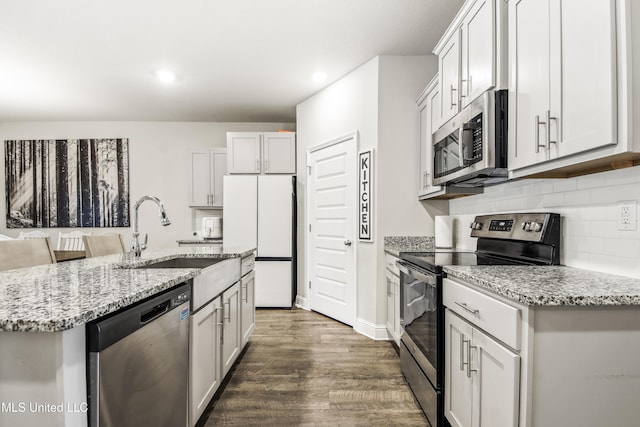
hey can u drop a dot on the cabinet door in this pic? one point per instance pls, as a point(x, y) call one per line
point(204, 366)
point(218, 171)
point(458, 382)
point(391, 304)
point(200, 191)
point(279, 152)
point(247, 290)
point(449, 68)
point(243, 151)
point(478, 56)
point(230, 327)
point(496, 383)
point(425, 139)
point(583, 75)
point(529, 81)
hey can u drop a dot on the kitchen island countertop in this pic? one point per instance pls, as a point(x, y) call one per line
point(552, 285)
point(58, 297)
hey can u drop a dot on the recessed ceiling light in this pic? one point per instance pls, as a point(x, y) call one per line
point(319, 77)
point(165, 76)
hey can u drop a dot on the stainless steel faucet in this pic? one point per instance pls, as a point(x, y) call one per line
point(136, 246)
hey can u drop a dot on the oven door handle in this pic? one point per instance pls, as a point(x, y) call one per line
point(411, 271)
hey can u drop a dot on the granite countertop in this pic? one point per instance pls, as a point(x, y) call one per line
point(396, 244)
point(552, 285)
point(57, 297)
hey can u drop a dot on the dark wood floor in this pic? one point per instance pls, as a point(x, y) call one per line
point(303, 369)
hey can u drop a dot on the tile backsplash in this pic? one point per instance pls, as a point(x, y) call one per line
point(589, 206)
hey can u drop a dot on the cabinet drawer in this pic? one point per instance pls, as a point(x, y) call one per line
point(497, 318)
point(390, 263)
point(248, 264)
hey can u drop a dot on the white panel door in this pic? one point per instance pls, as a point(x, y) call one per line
point(243, 150)
point(275, 204)
point(240, 211)
point(331, 209)
point(273, 284)
point(279, 152)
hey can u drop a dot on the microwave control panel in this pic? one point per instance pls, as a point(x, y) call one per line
point(472, 140)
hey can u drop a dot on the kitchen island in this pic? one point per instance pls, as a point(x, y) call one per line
point(536, 346)
point(43, 313)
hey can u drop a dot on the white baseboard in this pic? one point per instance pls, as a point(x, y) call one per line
point(301, 302)
point(371, 330)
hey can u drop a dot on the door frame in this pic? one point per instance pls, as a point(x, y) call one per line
point(355, 137)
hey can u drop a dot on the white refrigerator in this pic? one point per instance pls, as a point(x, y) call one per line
point(260, 211)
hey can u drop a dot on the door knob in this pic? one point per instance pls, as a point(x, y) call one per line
point(347, 242)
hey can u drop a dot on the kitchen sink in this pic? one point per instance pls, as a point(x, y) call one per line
point(184, 263)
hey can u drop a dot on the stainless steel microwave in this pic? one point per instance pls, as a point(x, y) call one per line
point(471, 148)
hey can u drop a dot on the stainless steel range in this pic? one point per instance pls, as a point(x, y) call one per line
point(503, 239)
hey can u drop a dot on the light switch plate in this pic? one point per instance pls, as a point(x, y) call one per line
point(627, 219)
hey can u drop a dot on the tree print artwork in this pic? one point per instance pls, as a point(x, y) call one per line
point(67, 183)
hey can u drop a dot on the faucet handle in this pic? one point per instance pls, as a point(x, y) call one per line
point(143, 246)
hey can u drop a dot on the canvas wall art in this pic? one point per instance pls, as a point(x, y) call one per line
point(67, 183)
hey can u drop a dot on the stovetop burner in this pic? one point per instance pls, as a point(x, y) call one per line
point(433, 261)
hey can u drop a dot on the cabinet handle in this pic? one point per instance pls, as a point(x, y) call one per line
point(468, 87)
point(549, 118)
point(213, 199)
point(537, 134)
point(451, 95)
point(246, 290)
point(266, 165)
point(257, 165)
point(469, 370)
point(220, 324)
point(462, 341)
point(466, 307)
point(228, 315)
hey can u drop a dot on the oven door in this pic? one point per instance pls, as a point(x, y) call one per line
point(422, 316)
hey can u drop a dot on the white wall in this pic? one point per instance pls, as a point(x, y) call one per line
point(159, 159)
point(589, 209)
point(378, 101)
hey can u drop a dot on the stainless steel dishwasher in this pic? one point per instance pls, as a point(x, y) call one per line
point(139, 363)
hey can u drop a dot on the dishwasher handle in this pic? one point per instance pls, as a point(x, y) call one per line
point(155, 312)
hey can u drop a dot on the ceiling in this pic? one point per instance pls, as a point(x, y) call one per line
point(235, 60)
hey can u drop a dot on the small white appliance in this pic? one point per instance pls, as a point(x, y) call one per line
point(211, 227)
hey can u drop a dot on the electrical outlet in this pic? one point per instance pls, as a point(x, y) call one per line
point(627, 215)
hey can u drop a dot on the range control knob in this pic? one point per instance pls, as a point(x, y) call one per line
point(536, 226)
point(476, 226)
point(526, 226)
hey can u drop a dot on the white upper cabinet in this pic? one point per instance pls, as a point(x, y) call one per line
point(449, 72)
point(261, 152)
point(478, 51)
point(563, 83)
point(428, 108)
point(470, 59)
point(208, 166)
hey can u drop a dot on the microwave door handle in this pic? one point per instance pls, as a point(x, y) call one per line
point(466, 145)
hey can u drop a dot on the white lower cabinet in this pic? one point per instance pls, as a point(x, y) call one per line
point(204, 357)
point(230, 327)
point(482, 377)
point(247, 289)
point(392, 321)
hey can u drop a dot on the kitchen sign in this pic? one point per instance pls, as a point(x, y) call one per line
point(365, 220)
